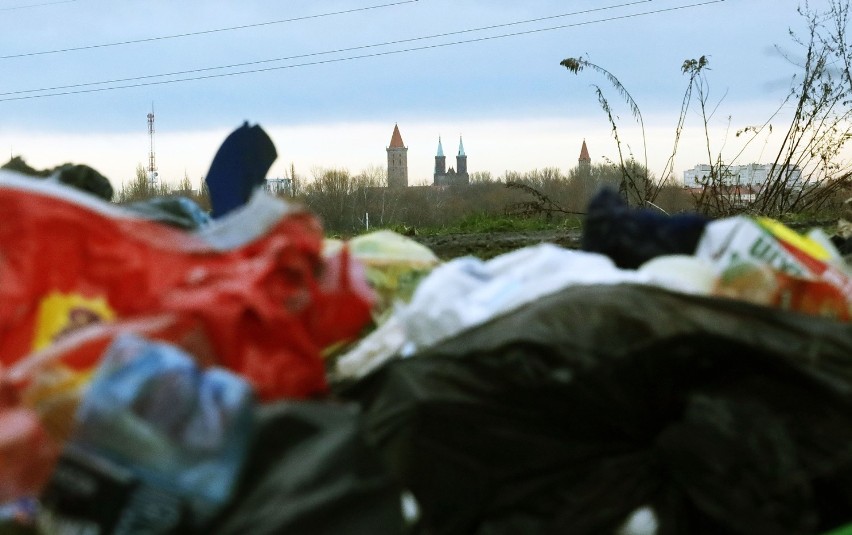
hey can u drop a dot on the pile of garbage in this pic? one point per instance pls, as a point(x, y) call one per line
point(695, 377)
point(167, 371)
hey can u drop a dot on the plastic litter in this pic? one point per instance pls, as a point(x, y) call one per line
point(571, 413)
point(681, 273)
point(154, 432)
point(239, 168)
point(80, 177)
point(394, 265)
point(632, 236)
point(180, 212)
point(244, 292)
point(310, 471)
point(153, 436)
point(632, 388)
point(763, 261)
point(27, 454)
point(467, 292)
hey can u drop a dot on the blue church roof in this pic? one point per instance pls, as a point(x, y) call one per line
point(461, 147)
point(440, 147)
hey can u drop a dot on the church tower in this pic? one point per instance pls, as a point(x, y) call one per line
point(440, 163)
point(397, 161)
point(584, 162)
point(461, 164)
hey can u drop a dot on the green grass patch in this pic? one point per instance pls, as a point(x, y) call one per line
point(485, 223)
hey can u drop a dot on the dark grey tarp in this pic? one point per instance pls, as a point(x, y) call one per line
point(569, 414)
point(310, 472)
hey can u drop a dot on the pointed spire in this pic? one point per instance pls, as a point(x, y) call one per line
point(440, 147)
point(584, 153)
point(396, 139)
point(461, 147)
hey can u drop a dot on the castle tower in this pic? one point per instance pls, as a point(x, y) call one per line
point(461, 164)
point(440, 162)
point(397, 161)
point(584, 161)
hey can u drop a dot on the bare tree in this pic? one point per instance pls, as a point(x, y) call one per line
point(807, 171)
point(482, 177)
point(822, 121)
point(330, 196)
point(639, 187)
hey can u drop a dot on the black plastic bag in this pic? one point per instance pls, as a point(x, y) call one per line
point(632, 236)
point(310, 472)
point(568, 415)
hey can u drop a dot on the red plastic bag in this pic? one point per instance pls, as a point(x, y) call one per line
point(245, 290)
point(27, 453)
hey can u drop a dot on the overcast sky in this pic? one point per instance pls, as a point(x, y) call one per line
point(328, 80)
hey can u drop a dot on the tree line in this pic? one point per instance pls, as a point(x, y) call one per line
point(351, 203)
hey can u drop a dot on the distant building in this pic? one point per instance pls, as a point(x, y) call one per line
point(584, 162)
point(279, 186)
point(752, 176)
point(451, 177)
point(397, 161)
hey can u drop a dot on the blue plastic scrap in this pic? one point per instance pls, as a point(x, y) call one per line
point(239, 167)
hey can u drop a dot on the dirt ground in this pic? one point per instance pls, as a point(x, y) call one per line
point(491, 244)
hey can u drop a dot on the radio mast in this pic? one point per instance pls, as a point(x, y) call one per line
point(152, 164)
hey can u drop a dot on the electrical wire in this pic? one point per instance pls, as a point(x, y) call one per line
point(362, 56)
point(36, 5)
point(324, 53)
point(204, 32)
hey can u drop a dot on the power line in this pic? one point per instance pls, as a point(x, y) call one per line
point(334, 60)
point(37, 5)
point(203, 32)
point(314, 54)
point(362, 56)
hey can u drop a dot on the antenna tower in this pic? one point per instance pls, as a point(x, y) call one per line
point(152, 165)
